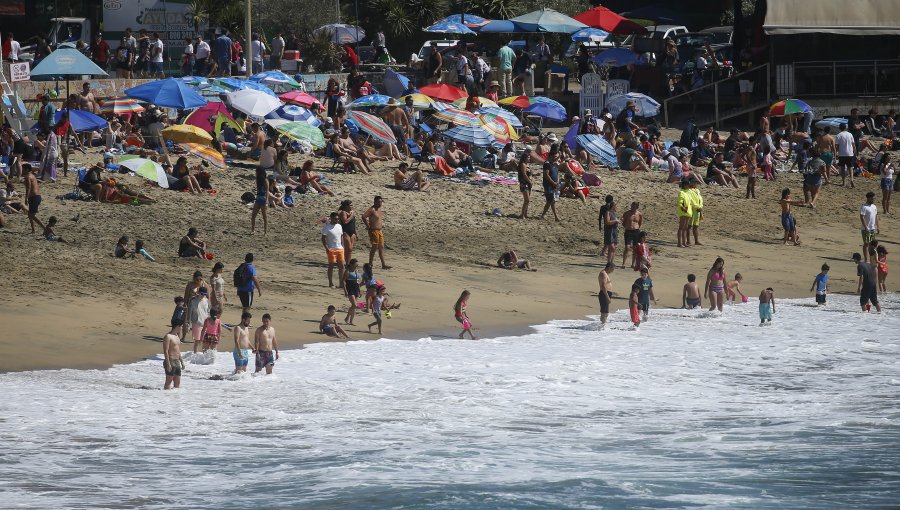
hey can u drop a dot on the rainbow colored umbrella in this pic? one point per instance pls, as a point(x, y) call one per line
point(461, 102)
point(208, 154)
point(372, 125)
point(499, 127)
point(120, 105)
point(506, 115)
point(457, 117)
point(788, 107)
point(523, 102)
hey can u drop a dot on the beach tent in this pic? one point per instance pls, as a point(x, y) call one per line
point(168, 93)
point(206, 117)
point(604, 19)
point(548, 20)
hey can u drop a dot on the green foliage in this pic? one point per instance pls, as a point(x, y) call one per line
point(320, 53)
point(401, 19)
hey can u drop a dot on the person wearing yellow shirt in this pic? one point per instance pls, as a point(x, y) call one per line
point(685, 212)
point(696, 212)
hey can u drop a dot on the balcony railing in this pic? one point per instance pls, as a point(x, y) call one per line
point(838, 78)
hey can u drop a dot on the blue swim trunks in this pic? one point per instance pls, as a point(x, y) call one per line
point(241, 357)
point(765, 312)
point(788, 222)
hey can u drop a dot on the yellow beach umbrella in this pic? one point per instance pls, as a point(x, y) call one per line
point(461, 102)
point(420, 101)
point(186, 133)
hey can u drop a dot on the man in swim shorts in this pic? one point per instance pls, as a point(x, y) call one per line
point(867, 285)
point(373, 219)
point(172, 362)
point(606, 293)
point(631, 222)
point(766, 305)
point(265, 345)
point(242, 343)
point(332, 240)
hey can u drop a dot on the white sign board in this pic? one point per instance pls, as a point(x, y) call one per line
point(20, 72)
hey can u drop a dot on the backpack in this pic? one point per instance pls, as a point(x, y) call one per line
point(240, 275)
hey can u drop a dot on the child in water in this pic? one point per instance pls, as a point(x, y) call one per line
point(633, 306)
point(820, 285)
point(881, 253)
point(766, 305)
point(690, 295)
point(461, 315)
point(734, 288)
point(211, 332)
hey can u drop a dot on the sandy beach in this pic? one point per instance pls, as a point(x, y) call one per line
point(74, 305)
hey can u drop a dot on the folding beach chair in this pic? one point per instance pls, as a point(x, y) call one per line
point(416, 153)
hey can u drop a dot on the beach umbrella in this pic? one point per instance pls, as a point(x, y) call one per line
point(458, 117)
point(120, 106)
point(253, 102)
point(294, 113)
point(598, 147)
point(572, 134)
point(604, 19)
point(420, 101)
point(208, 154)
point(372, 125)
point(150, 170)
point(522, 102)
point(205, 116)
point(233, 84)
point(788, 107)
point(449, 27)
point(470, 20)
point(370, 100)
point(498, 126)
point(506, 115)
point(548, 20)
point(547, 111)
point(186, 133)
point(302, 132)
point(275, 77)
point(617, 57)
point(443, 92)
point(301, 98)
point(645, 106)
point(832, 122)
point(343, 34)
point(395, 84)
point(194, 80)
point(83, 121)
point(168, 93)
point(485, 102)
point(440, 106)
point(212, 92)
point(472, 135)
point(499, 26)
point(590, 35)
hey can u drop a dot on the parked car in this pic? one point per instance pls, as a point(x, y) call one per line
point(722, 35)
point(445, 46)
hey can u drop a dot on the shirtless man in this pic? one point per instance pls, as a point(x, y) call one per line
point(606, 293)
point(86, 100)
point(398, 121)
point(826, 148)
point(172, 362)
point(631, 221)
point(259, 140)
point(242, 343)
point(32, 196)
point(457, 158)
point(190, 290)
point(264, 343)
point(348, 147)
point(373, 219)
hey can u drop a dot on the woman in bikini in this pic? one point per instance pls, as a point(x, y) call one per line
point(347, 220)
point(309, 181)
point(525, 183)
point(714, 290)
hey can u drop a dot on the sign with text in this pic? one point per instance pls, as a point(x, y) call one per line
point(20, 72)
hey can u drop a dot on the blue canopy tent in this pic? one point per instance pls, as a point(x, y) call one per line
point(168, 93)
point(548, 20)
point(395, 84)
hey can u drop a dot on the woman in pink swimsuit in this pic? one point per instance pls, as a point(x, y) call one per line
point(714, 290)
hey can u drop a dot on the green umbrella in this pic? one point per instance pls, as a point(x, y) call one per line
point(303, 132)
point(150, 170)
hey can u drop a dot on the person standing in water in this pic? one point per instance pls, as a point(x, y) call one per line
point(766, 305)
point(265, 345)
point(820, 285)
point(606, 293)
point(867, 285)
point(714, 290)
point(242, 343)
point(461, 315)
point(172, 363)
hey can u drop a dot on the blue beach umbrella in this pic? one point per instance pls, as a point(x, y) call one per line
point(548, 20)
point(294, 113)
point(472, 135)
point(449, 27)
point(617, 57)
point(589, 34)
point(275, 77)
point(168, 93)
point(598, 147)
point(395, 84)
point(467, 19)
point(547, 111)
point(547, 100)
point(370, 100)
point(239, 84)
point(645, 106)
point(66, 63)
point(499, 26)
point(343, 34)
point(82, 120)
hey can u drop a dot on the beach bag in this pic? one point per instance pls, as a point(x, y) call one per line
point(240, 275)
point(248, 197)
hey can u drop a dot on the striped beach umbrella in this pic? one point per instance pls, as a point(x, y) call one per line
point(420, 101)
point(120, 105)
point(788, 107)
point(498, 127)
point(371, 100)
point(598, 147)
point(302, 132)
point(461, 102)
point(458, 117)
point(472, 135)
point(208, 154)
point(506, 115)
point(294, 113)
point(373, 126)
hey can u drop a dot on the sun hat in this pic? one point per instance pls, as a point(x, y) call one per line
point(629, 103)
point(587, 112)
point(552, 137)
point(495, 83)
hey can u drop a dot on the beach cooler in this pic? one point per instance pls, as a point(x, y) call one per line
point(291, 55)
point(292, 65)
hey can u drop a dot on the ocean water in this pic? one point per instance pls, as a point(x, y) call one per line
point(693, 410)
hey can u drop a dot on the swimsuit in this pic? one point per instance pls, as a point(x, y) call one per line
point(352, 283)
point(765, 312)
point(264, 359)
point(788, 222)
point(376, 237)
point(349, 228)
point(173, 367)
point(692, 302)
point(603, 297)
point(328, 329)
point(719, 287)
point(241, 357)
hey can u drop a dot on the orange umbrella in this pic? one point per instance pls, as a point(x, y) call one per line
point(443, 92)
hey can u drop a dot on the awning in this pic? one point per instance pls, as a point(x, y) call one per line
point(861, 17)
